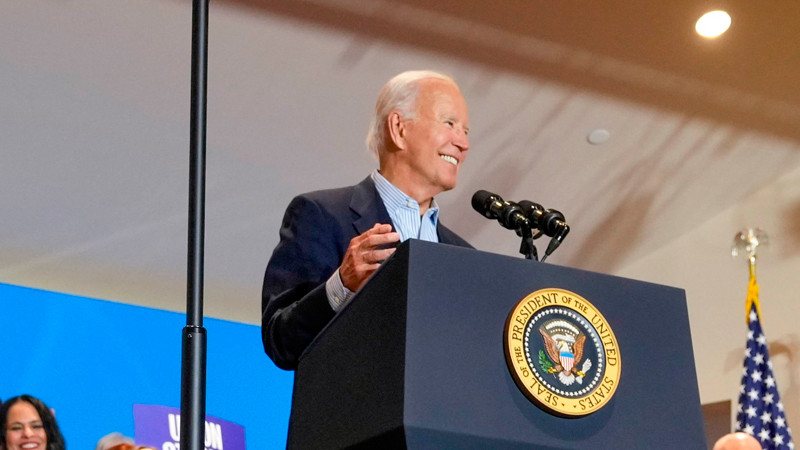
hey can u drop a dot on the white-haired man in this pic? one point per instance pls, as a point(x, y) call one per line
point(331, 241)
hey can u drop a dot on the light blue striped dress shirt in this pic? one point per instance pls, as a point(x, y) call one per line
point(404, 212)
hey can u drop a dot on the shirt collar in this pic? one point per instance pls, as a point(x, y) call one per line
point(394, 198)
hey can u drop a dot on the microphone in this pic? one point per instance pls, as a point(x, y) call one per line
point(524, 217)
point(492, 206)
point(547, 221)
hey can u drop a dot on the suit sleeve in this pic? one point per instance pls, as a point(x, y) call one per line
point(294, 303)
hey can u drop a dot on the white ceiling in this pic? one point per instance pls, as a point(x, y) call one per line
point(95, 108)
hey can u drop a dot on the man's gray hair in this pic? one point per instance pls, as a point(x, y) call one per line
point(113, 439)
point(398, 94)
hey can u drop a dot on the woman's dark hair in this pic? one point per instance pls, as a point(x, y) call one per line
point(55, 441)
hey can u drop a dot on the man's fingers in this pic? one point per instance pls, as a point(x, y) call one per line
point(376, 256)
point(377, 230)
point(364, 254)
point(375, 240)
point(382, 254)
point(379, 234)
point(380, 228)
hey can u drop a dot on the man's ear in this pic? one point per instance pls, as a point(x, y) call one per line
point(397, 129)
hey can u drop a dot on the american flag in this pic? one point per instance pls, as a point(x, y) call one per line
point(760, 412)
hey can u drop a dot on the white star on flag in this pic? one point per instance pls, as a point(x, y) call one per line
point(760, 409)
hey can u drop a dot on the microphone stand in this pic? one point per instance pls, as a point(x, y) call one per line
point(526, 246)
point(193, 351)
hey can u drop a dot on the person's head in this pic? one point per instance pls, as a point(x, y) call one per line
point(737, 441)
point(27, 420)
point(126, 446)
point(115, 441)
point(419, 132)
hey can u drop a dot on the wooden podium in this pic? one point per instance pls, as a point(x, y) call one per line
point(416, 360)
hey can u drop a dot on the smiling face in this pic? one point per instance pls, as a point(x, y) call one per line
point(24, 428)
point(431, 146)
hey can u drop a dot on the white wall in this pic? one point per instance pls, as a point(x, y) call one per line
point(700, 262)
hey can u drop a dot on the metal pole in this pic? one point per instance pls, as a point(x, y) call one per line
point(193, 359)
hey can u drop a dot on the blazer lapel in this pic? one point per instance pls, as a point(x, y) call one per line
point(368, 207)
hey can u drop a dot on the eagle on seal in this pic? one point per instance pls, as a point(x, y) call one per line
point(566, 359)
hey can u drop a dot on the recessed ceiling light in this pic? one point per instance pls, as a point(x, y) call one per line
point(713, 24)
point(598, 136)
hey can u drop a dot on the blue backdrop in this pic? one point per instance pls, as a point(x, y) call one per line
point(91, 360)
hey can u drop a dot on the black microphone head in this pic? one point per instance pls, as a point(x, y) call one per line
point(531, 210)
point(552, 222)
point(482, 202)
point(511, 216)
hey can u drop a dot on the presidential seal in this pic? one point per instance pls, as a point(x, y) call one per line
point(562, 353)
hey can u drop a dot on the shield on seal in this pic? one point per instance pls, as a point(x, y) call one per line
point(567, 360)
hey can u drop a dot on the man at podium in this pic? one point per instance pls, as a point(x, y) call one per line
point(332, 240)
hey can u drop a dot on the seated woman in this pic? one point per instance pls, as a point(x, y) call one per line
point(26, 420)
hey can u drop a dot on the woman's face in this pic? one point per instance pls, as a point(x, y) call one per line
point(24, 428)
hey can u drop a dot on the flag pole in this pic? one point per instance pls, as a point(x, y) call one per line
point(760, 412)
point(748, 241)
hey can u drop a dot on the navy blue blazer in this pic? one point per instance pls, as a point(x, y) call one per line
point(315, 233)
